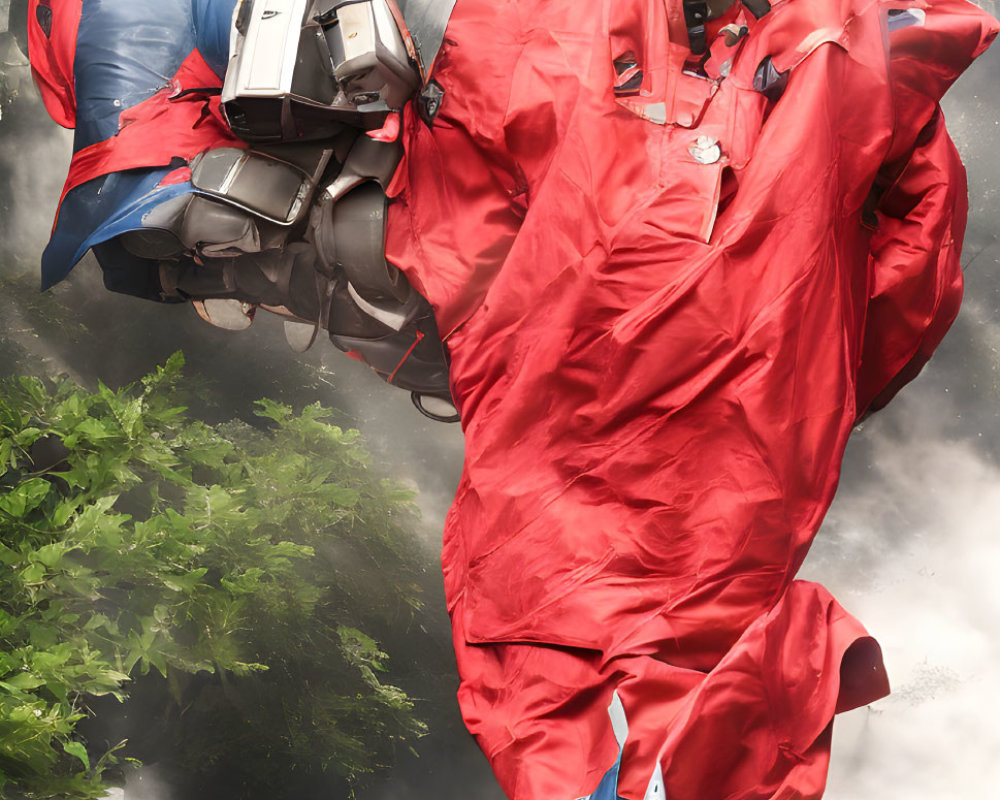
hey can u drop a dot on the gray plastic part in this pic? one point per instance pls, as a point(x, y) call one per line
point(394, 314)
point(151, 243)
point(370, 61)
point(307, 68)
point(194, 223)
point(436, 408)
point(263, 49)
point(382, 354)
point(368, 160)
point(273, 189)
point(309, 157)
point(210, 227)
point(359, 236)
point(159, 236)
point(426, 21)
point(168, 214)
point(300, 335)
point(228, 314)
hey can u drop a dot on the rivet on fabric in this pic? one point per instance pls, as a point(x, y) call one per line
point(705, 150)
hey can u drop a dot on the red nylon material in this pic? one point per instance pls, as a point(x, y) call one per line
point(52, 57)
point(658, 363)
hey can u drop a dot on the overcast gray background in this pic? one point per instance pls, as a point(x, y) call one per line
point(911, 545)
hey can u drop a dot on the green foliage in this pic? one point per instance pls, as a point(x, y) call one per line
point(237, 562)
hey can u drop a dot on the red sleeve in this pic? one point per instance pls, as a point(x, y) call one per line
point(52, 27)
point(916, 278)
point(458, 196)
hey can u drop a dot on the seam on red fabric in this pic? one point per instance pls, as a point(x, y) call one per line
point(406, 355)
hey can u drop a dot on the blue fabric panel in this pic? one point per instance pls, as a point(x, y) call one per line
point(212, 21)
point(126, 50)
point(607, 789)
point(98, 211)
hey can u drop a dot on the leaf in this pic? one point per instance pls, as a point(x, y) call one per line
point(33, 574)
point(62, 512)
point(91, 429)
point(27, 437)
point(58, 689)
point(209, 565)
point(132, 658)
point(78, 750)
point(246, 583)
point(338, 495)
point(8, 558)
point(359, 648)
point(184, 583)
point(158, 660)
point(15, 695)
point(7, 459)
point(243, 668)
point(129, 415)
point(98, 621)
point(25, 681)
point(292, 550)
point(109, 757)
point(165, 374)
point(25, 498)
point(49, 555)
point(269, 409)
point(72, 406)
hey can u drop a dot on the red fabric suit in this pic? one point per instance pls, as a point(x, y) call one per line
point(658, 362)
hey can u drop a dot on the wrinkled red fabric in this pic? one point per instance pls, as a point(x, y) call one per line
point(52, 57)
point(658, 363)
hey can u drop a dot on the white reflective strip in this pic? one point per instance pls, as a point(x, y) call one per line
point(618, 722)
point(907, 18)
point(656, 789)
point(394, 315)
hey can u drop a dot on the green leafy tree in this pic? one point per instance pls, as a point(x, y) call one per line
point(249, 570)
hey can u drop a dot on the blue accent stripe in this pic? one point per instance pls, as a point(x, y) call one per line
point(100, 210)
point(607, 789)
